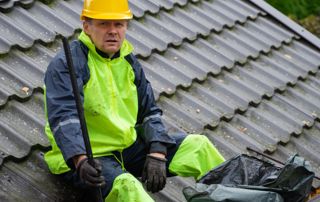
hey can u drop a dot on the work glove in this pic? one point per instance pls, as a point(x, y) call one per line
point(154, 173)
point(91, 175)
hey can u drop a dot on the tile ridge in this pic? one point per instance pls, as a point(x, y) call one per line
point(225, 69)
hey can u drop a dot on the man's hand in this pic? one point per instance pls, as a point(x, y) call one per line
point(91, 175)
point(154, 172)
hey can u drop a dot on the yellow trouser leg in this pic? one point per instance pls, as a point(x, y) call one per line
point(195, 157)
point(126, 188)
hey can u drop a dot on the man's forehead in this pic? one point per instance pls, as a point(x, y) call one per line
point(110, 21)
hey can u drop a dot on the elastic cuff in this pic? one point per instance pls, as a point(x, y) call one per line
point(157, 158)
point(158, 147)
point(70, 162)
point(80, 164)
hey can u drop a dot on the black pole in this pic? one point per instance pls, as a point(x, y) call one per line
point(269, 157)
point(79, 107)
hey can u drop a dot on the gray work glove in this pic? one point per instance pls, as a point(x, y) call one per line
point(91, 175)
point(154, 173)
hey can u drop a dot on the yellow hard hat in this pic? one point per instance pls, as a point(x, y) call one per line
point(106, 9)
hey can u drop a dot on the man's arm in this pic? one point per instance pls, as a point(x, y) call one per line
point(152, 131)
point(61, 109)
point(149, 123)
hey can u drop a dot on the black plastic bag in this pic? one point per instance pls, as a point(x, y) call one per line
point(221, 193)
point(293, 182)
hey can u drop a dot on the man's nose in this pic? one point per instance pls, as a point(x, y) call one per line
point(112, 28)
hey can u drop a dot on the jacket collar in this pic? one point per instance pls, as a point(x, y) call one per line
point(105, 55)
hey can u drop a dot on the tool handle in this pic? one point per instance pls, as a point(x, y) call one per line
point(77, 98)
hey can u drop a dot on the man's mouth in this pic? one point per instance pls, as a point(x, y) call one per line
point(111, 41)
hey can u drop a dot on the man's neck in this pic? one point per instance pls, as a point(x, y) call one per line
point(106, 55)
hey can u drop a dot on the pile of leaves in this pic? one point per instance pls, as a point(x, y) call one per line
point(304, 12)
point(311, 23)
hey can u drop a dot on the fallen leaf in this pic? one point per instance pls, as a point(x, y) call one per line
point(306, 122)
point(25, 90)
point(243, 129)
point(288, 56)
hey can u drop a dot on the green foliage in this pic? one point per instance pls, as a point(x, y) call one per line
point(297, 8)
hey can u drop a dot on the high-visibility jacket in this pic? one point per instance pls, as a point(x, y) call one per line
point(118, 105)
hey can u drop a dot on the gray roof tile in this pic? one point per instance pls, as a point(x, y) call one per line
point(25, 182)
point(286, 106)
point(22, 126)
point(40, 23)
point(7, 5)
point(222, 68)
point(221, 50)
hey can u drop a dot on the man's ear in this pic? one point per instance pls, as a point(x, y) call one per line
point(86, 28)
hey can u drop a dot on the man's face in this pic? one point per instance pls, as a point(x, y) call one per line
point(107, 35)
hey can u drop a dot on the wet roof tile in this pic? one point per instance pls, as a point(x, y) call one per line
point(222, 68)
point(42, 23)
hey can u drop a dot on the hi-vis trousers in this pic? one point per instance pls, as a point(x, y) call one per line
point(193, 155)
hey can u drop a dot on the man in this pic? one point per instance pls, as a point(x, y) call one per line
point(127, 135)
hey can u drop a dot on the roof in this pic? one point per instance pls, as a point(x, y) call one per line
point(230, 70)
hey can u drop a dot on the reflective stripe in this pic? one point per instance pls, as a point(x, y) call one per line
point(151, 117)
point(66, 122)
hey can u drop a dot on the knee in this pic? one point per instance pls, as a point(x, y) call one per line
point(127, 188)
point(126, 181)
point(197, 140)
point(200, 147)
